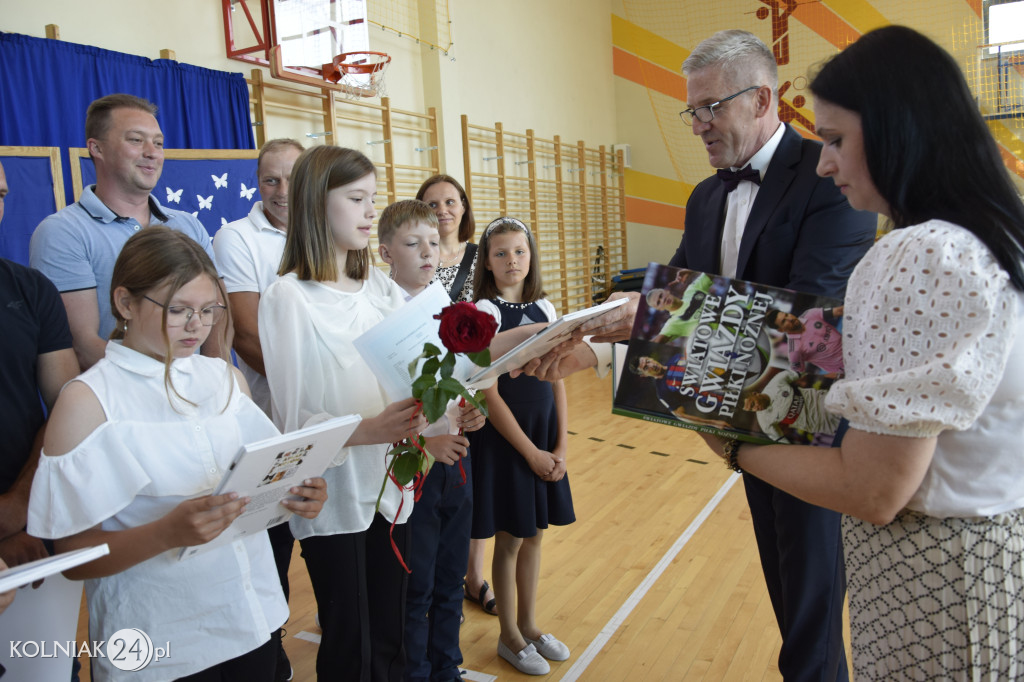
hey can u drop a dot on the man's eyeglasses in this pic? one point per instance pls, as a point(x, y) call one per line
point(179, 315)
point(706, 113)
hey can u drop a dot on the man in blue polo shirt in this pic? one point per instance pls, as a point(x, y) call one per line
point(35, 360)
point(76, 247)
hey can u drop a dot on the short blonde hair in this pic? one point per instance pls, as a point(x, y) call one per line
point(400, 214)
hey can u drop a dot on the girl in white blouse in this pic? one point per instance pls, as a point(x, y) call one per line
point(930, 473)
point(132, 450)
point(329, 294)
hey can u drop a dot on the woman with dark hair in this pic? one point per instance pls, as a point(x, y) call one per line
point(456, 225)
point(930, 474)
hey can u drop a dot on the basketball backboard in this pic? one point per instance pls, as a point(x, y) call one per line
point(310, 33)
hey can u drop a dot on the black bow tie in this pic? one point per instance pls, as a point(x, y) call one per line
point(731, 178)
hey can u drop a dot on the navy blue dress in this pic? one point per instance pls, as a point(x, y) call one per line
point(508, 496)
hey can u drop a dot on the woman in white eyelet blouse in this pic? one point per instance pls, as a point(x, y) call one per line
point(930, 474)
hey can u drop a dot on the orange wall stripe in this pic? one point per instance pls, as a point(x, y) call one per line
point(976, 6)
point(647, 45)
point(654, 213)
point(860, 14)
point(825, 23)
point(1012, 162)
point(649, 75)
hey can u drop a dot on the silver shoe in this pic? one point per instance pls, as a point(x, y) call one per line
point(526, 661)
point(550, 648)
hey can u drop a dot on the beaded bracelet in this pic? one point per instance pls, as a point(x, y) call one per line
point(731, 449)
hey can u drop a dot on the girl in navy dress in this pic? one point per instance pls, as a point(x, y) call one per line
point(521, 470)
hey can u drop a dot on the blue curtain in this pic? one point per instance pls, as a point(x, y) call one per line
point(47, 86)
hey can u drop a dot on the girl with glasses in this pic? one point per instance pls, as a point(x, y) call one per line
point(132, 451)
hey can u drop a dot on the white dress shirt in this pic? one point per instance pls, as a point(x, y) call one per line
point(306, 330)
point(154, 452)
point(741, 200)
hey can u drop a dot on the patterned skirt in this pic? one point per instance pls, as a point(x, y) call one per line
point(936, 599)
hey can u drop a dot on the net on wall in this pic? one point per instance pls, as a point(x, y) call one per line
point(802, 33)
point(403, 18)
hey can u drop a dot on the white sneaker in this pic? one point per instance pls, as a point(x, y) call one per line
point(526, 661)
point(550, 648)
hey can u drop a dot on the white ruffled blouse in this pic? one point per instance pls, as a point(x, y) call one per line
point(151, 454)
point(933, 346)
point(306, 331)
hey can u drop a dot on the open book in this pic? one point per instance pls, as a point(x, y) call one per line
point(24, 574)
point(393, 343)
point(266, 470)
point(540, 343)
point(733, 358)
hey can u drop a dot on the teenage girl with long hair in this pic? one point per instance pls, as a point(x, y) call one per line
point(328, 294)
point(132, 451)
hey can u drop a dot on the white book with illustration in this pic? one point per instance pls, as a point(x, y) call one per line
point(266, 470)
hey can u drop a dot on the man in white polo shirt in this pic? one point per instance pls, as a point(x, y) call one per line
point(248, 255)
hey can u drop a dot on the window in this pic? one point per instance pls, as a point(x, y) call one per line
point(1004, 23)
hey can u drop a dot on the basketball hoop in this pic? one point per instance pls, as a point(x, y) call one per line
point(362, 72)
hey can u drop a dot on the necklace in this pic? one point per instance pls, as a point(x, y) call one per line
point(455, 258)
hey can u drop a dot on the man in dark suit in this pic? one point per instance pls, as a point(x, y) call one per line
point(767, 217)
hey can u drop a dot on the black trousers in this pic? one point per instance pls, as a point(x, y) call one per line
point(360, 590)
point(281, 542)
point(801, 549)
point(258, 665)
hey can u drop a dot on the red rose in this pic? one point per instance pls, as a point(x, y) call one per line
point(464, 329)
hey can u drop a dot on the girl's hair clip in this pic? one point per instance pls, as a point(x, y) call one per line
point(505, 220)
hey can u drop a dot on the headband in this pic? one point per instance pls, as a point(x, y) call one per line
point(505, 220)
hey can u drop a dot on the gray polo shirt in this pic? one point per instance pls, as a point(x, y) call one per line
point(76, 247)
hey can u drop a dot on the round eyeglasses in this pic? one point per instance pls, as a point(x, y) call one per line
point(179, 315)
point(706, 113)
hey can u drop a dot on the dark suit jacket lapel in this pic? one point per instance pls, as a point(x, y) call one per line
point(706, 253)
point(776, 181)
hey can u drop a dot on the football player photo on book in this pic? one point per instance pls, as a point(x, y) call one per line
point(734, 358)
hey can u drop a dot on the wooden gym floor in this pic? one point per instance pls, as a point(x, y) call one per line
point(658, 579)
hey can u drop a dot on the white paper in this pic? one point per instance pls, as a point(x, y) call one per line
point(47, 616)
point(540, 343)
point(619, 351)
point(24, 574)
point(393, 343)
point(266, 470)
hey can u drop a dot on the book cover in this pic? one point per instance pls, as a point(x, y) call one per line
point(24, 574)
point(266, 470)
point(733, 358)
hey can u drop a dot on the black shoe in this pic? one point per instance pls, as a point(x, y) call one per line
point(284, 670)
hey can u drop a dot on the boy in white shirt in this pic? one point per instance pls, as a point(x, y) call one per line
point(441, 520)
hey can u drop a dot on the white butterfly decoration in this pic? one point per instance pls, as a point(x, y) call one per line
point(195, 214)
point(206, 203)
point(173, 196)
point(222, 181)
point(247, 192)
point(223, 221)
